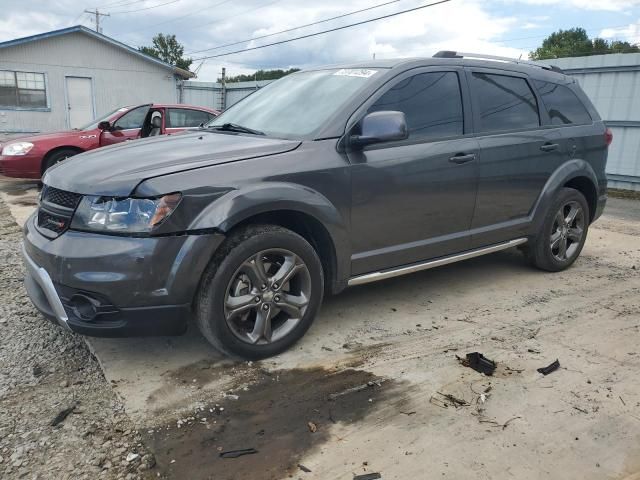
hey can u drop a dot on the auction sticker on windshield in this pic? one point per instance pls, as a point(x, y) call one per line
point(355, 72)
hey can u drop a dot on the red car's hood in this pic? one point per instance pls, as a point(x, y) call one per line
point(44, 137)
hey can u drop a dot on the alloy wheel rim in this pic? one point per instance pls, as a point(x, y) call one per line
point(267, 296)
point(567, 231)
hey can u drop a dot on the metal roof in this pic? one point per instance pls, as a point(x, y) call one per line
point(87, 31)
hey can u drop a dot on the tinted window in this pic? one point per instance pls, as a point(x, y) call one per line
point(431, 102)
point(132, 119)
point(184, 118)
point(563, 105)
point(506, 103)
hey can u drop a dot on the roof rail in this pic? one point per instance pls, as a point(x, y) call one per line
point(481, 56)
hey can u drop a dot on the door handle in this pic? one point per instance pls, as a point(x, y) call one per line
point(461, 158)
point(549, 147)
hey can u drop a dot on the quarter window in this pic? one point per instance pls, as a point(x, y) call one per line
point(186, 118)
point(22, 89)
point(431, 102)
point(506, 103)
point(563, 105)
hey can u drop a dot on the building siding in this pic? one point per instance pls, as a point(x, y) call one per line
point(612, 82)
point(119, 78)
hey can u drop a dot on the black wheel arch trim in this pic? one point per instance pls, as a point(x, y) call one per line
point(565, 173)
point(238, 206)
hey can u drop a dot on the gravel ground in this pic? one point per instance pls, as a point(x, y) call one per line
point(44, 371)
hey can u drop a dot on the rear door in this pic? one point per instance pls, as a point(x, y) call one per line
point(127, 127)
point(413, 200)
point(518, 153)
point(179, 119)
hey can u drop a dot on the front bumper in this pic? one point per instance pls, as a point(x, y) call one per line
point(21, 166)
point(113, 286)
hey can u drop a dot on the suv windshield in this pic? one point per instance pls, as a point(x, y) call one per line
point(94, 123)
point(298, 104)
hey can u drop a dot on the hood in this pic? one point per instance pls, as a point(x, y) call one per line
point(47, 136)
point(118, 169)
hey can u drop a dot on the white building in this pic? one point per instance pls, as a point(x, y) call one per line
point(66, 78)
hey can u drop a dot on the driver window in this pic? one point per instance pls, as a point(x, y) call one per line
point(132, 119)
point(431, 102)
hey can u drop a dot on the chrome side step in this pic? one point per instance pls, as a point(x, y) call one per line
point(396, 272)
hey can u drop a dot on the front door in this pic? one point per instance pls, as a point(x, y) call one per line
point(127, 127)
point(79, 101)
point(413, 200)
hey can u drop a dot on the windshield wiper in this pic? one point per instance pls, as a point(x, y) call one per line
point(234, 127)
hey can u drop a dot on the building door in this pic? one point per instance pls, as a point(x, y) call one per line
point(79, 101)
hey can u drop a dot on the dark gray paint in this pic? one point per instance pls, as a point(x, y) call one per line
point(382, 206)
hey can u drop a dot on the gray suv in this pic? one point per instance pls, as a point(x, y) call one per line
point(327, 178)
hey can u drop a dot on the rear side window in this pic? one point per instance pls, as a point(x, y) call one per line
point(506, 103)
point(431, 102)
point(186, 118)
point(563, 105)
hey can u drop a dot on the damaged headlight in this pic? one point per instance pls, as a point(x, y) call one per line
point(123, 215)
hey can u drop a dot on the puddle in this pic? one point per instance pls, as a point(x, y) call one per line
point(271, 416)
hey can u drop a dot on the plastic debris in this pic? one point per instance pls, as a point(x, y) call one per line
point(550, 368)
point(238, 453)
point(478, 362)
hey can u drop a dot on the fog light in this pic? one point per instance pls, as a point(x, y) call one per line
point(84, 307)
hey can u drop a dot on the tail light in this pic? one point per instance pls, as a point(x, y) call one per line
point(608, 136)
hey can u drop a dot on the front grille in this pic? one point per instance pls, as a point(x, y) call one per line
point(60, 197)
point(56, 210)
point(54, 223)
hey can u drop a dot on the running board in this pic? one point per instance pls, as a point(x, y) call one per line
point(375, 276)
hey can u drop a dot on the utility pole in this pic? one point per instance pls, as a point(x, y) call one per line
point(97, 15)
point(223, 89)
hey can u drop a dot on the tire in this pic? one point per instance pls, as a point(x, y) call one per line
point(56, 157)
point(240, 288)
point(562, 226)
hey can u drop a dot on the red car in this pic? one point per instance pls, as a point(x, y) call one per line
point(29, 157)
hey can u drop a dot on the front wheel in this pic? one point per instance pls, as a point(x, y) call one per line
point(57, 157)
point(260, 293)
point(563, 234)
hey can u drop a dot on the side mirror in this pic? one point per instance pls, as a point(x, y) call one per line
point(104, 125)
point(379, 127)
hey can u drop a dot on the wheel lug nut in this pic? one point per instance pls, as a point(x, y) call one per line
point(257, 299)
point(265, 307)
point(263, 287)
point(276, 298)
point(275, 286)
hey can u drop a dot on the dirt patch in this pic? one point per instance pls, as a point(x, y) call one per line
point(283, 415)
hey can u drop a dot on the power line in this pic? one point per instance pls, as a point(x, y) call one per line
point(325, 31)
point(235, 15)
point(97, 14)
point(296, 28)
point(145, 8)
point(177, 19)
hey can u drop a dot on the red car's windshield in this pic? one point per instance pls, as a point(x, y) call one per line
point(94, 123)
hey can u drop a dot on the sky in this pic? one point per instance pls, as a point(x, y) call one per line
point(500, 27)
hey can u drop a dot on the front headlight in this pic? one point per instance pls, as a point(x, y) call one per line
point(123, 215)
point(18, 148)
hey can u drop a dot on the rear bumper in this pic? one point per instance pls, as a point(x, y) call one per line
point(109, 286)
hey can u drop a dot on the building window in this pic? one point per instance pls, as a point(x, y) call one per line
point(22, 89)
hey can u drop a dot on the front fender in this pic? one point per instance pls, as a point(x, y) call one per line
point(248, 201)
point(561, 176)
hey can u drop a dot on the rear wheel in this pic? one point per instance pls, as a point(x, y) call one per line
point(260, 293)
point(563, 233)
point(56, 157)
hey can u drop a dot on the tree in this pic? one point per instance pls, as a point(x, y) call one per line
point(261, 75)
point(576, 43)
point(169, 50)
